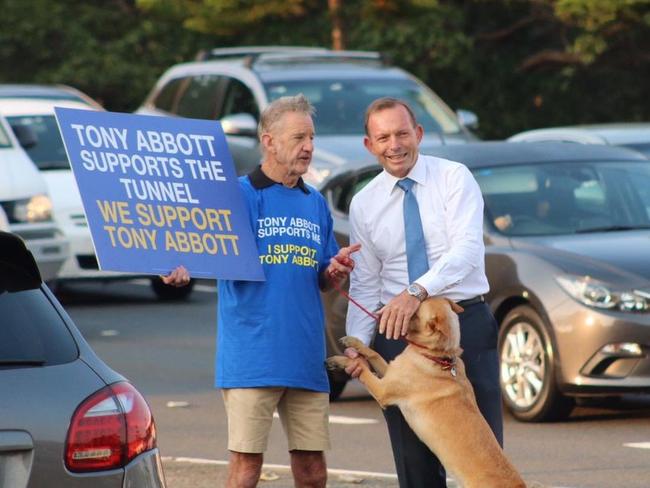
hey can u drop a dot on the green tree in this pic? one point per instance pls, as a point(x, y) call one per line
point(110, 49)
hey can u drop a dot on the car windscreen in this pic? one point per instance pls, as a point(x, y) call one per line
point(48, 152)
point(341, 104)
point(32, 333)
point(566, 197)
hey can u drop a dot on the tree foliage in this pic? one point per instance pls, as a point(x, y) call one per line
point(517, 63)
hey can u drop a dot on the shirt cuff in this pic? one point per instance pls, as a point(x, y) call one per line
point(434, 286)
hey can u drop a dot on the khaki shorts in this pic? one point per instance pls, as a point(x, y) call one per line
point(304, 415)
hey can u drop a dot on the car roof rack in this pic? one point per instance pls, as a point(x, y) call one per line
point(325, 56)
point(248, 51)
point(252, 55)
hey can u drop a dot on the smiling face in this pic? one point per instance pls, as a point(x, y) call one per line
point(393, 139)
point(290, 143)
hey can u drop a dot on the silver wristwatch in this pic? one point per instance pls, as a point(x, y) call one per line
point(417, 291)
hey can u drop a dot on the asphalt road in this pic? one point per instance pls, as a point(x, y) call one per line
point(167, 351)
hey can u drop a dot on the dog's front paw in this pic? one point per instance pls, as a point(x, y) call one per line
point(337, 362)
point(349, 341)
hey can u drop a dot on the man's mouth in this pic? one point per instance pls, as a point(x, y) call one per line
point(395, 157)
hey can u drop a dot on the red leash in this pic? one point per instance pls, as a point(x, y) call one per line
point(347, 295)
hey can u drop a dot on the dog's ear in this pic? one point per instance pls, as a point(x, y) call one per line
point(454, 306)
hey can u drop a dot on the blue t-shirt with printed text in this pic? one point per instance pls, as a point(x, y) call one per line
point(272, 333)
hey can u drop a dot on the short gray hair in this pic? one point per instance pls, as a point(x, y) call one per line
point(274, 112)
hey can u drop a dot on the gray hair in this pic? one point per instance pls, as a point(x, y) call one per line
point(274, 112)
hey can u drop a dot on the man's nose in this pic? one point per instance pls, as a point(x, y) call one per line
point(308, 145)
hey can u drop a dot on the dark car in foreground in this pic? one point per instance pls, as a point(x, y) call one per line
point(567, 235)
point(66, 418)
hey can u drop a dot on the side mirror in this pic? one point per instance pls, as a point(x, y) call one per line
point(239, 125)
point(467, 119)
point(26, 136)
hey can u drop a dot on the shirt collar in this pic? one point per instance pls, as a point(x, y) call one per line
point(418, 174)
point(259, 180)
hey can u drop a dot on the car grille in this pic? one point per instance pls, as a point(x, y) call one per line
point(79, 220)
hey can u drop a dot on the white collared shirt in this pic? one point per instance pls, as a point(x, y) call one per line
point(451, 209)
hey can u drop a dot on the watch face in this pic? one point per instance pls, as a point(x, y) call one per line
point(413, 290)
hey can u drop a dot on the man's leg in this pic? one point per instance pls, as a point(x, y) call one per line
point(244, 469)
point(416, 465)
point(478, 338)
point(305, 419)
point(309, 469)
point(250, 414)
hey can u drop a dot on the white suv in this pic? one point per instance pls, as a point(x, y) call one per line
point(24, 108)
point(25, 207)
point(234, 85)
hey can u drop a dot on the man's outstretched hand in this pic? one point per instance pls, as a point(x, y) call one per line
point(342, 264)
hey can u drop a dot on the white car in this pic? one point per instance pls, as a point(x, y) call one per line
point(50, 157)
point(25, 207)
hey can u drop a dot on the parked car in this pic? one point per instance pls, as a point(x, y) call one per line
point(234, 85)
point(67, 418)
point(567, 228)
point(4, 221)
point(634, 135)
point(32, 107)
point(26, 204)
point(47, 92)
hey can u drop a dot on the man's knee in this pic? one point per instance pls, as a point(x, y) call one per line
point(244, 469)
point(309, 469)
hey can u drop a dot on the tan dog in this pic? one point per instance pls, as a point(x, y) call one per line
point(427, 382)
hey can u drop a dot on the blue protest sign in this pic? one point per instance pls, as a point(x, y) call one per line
point(159, 192)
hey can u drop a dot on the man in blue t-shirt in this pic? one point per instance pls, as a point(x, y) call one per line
point(271, 342)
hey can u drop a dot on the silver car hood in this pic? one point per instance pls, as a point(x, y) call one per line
point(622, 256)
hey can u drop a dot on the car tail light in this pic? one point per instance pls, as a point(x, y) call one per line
point(109, 429)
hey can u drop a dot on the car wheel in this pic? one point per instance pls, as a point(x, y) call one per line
point(527, 369)
point(338, 380)
point(169, 293)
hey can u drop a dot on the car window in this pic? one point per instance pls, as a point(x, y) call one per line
point(167, 96)
point(32, 331)
point(342, 192)
point(49, 151)
point(239, 100)
point(4, 138)
point(199, 99)
point(566, 198)
point(341, 104)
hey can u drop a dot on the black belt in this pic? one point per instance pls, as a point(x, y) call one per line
point(471, 301)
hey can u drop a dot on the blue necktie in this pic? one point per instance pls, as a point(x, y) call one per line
point(416, 250)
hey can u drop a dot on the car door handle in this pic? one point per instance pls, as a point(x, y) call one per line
point(15, 440)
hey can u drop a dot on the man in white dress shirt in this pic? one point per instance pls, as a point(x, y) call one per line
point(450, 208)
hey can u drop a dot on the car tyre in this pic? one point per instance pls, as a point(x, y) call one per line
point(337, 380)
point(528, 370)
point(171, 293)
